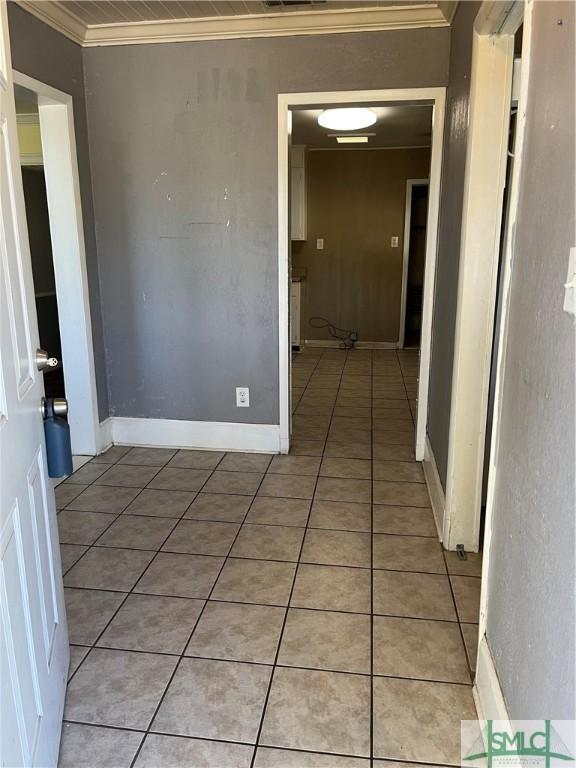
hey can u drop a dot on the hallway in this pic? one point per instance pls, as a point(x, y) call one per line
point(179, 567)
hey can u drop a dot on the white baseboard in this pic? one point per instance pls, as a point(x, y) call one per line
point(437, 496)
point(105, 435)
point(208, 435)
point(335, 344)
point(488, 696)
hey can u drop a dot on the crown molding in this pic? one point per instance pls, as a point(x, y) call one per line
point(432, 14)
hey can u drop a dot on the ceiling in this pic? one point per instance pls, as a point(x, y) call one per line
point(121, 22)
point(397, 126)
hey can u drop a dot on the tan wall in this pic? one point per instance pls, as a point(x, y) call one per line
point(356, 202)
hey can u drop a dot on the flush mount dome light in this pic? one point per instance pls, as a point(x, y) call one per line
point(347, 118)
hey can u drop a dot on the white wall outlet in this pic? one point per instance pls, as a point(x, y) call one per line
point(242, 397)
point(320, 244)
point(394, 241)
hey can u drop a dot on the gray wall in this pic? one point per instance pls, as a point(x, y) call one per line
point(356, 201)
point(531, 620)
point(183, 143)
point(42, 53)
point(446, 290)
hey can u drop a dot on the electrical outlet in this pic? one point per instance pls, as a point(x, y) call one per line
point(242, 397)
point(394, 241)
point(320, 244)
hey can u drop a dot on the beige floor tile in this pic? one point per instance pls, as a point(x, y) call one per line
point(214, 700)
point(417, 595)
point(150, 457)
point(70, 554)
point(318, 711)
point(82, 527)
point(399, 471)
point(350, 449)
point(420, 721)
point(278, 511)
point(185, 459)
point(408, 553)
point(112, 455)
point(86, 474)
point(201, 537)
point(337, 548)
point(295, 465)
point(326, 640)
point(118, 688)
point(353, 411)
point(386, 452)
point(470, 634)
point(107, 568)
point(154, 624)
point(406, 521)
point(337, 489)
point(80, 743)
point(396, 438)
point(238, 632)
point(332, 588)
point(127, 476)
point(88, 611)
point(177, 752)
point(255, 581)
point(103, 499)
point(223, 507)
point(137, 532)
point(268, 542)
point(417, 648)
point(77, 655)
point(360, 469)
point(246, 462)
point(240, 483)
point(340, 515)
point(174, 479)
point(472, 566)
point(180, 575)
point(467, 597)
point(268, 757)
point(67, 492)
point(161, 503)
point(398, 494)
point(306, 447)
point(288, 486)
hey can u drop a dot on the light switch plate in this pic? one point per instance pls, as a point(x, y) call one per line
point(394, 241)
point(320, 244)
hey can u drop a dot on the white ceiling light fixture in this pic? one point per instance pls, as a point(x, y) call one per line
point(347, 118)
point(352, 139)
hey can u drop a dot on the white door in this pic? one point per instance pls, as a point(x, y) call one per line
point(34, 640)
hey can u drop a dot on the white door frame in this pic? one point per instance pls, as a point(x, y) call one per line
point(485, 177)
point(437, 98)
point(410, 184)
point(56, 114)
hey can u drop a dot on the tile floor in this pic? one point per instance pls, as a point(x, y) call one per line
point(238, 610)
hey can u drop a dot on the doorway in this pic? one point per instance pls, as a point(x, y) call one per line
point(415, 219)
point(288, 104)
point(52, 197)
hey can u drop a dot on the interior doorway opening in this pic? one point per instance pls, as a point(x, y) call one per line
point(415, 227)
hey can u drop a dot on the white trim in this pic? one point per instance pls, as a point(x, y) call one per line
point(206, 435)
point(27, 118)
point(506, 278)
point(487, 692)
point(435, 96)
point(335, 344)
point(410, 184)
point(486, 157)
point(105, 435)
point(67, 234)
point(434, 484)
point(337, 20)
point(34, 159)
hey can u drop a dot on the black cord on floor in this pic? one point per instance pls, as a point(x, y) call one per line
point(347, 338)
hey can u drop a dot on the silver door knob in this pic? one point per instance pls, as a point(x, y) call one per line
point(58, 406)
point(43, 362)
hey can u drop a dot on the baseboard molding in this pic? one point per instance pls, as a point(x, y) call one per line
point(105, 435)
point(208, 435)
point(437, 496)
point(488, 696)
point(335, 344)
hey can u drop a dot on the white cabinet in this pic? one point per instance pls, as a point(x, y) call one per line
point(298, 192)
point(295, 295)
